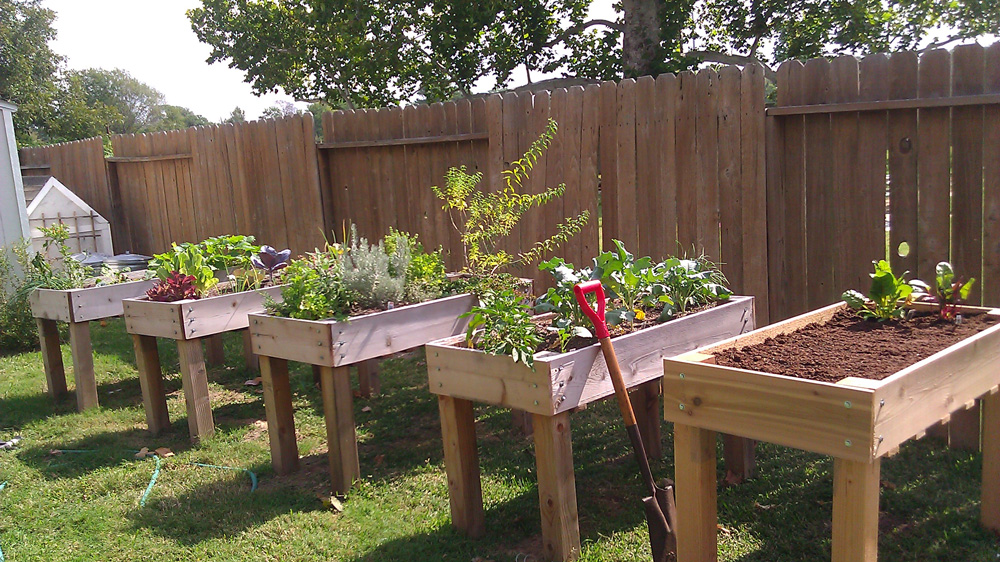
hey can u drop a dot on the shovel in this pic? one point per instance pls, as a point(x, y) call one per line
point(661, 512)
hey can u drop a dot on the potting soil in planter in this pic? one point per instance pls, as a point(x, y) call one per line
point(847, 346)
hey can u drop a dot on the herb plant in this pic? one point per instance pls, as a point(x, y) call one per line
point(68, 273)
point(948, 293)
point(373, 276)
point(501, 325)
point(313, 288)
point(484, 219)
point(887, 298)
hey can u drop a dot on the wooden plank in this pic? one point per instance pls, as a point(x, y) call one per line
point(280, 415)
point(461, 462)
point(556, 158)
point(338, 409)
point(706, 159)
point(50, 304)
point(578, 195)
point(83, 365)
point(556, 487)
point(156, 158)
point(753, 146)
point(392, 125)
point(871, 176)
point(368, 378)
point(687, 171)
point(855, 510)
point(793, 412)
point(927, 391)
point(249, 357)
point(436, 124)
point(625, 208)
point(154, 397)
point(310, 173)
point(495, 130)
point(730, 177)
point(646, 406)
point(820, 221)
point(608, 165)
point(289, 338)
point(850, 257)
point(223, 313)
point(903, 151)
point(55, 374)
point(96, 303)
point(438, 139)
point(990, 285)
point(989, 514)
point(590, 179)
point(215, 351)
point(153, 319)
point(933, 164)
point(194, 381)
point(887, 105)
point(967, 171)
point(647, 169)
point(696, 494)
point(665, 201)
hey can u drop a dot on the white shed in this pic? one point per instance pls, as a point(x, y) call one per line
point(50, 202)
point(13, 219)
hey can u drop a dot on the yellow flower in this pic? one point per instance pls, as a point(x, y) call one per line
point(639, 315)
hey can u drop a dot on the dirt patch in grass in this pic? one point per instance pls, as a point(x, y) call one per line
point(847, 346)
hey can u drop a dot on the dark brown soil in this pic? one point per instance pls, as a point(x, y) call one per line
point(550, 339)
point(848, 346)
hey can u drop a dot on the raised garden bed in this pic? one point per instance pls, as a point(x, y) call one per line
point(856, 420)
point(188, 322)
point(333, 346)
point(77, 307)
point(559, 383)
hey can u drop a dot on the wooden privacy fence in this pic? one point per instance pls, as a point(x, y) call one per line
point(793, 200)
point(914, 139)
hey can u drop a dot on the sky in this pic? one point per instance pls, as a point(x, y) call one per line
point(152, 40)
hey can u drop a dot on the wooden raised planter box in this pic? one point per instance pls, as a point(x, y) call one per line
point(333, 346)
point(187, 322)
point(560, 383)
point(77, 307)
point(857, 421)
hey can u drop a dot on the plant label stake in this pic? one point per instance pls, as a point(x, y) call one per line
point(661, 512)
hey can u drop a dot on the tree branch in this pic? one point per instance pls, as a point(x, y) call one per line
point(943, 42)
point(576, 29)
point(741, 60)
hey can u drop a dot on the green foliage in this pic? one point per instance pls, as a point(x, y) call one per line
point(887, 297)
point(17, 324)
point(28, 65)
point(68, 273)
point(691, 282)
point(188, 260)
point(484, 219)
point(633, 282)
point(501, 325)
point(375, 277)
point(228, 252)
point(570, 320)
point(165, 117)
point(314, 289)
point(948, 293)
point(425, 274)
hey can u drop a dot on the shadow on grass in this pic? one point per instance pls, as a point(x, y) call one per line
point(223, 508)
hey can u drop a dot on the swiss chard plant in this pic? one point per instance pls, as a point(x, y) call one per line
point(886, 299)
point(948, 293)
point(484, 219)
point(177, 286)
point(501, 325)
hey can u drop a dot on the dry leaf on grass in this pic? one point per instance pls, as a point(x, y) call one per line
point(331, 502)
point(253, 382)
point(164, 452)
point(143, 453)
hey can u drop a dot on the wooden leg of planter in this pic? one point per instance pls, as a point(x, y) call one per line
point(83, 365)
point(461, 462)
point(317, 375)
point(280, 417)
point(368, 382)
point(855, 510)
point(990, 510)
point(249, 357)
point(154, 397)
point(646, 405)
point(697, 494)
point(740, 457)
point(338, 408)
point(963, 429)
point(55, 374)
point(215, 351)
point(521, 421)
point(556, 487)
point(194, 379)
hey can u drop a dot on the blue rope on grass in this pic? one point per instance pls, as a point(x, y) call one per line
point(152, 482)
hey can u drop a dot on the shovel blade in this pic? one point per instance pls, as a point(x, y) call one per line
point(661, 539)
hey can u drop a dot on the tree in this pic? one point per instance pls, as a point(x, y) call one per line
point(237, 116)
point(371, 53)
point(173, 117)
point(28, 66)
point(136, 102)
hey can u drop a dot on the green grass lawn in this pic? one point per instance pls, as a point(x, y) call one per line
point(85, 506)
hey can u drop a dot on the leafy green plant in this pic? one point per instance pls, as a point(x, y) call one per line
point(484, 219)
point(17, 324)
point(887, 297)
point(68, 273)
point(948, 293)
point(188, 260)
point(632, 282)
point(690, 283)
point(501, 325)
point(425, 274)
point(175, 287)
point(570, 320)
point(270, 260)
point(229, 252)
point(313, 288)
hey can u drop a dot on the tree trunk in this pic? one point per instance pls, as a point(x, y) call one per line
point(641, 41)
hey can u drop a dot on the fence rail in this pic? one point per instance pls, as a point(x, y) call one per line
point(792, 200)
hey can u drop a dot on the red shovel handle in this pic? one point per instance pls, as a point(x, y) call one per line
point(581, 291)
